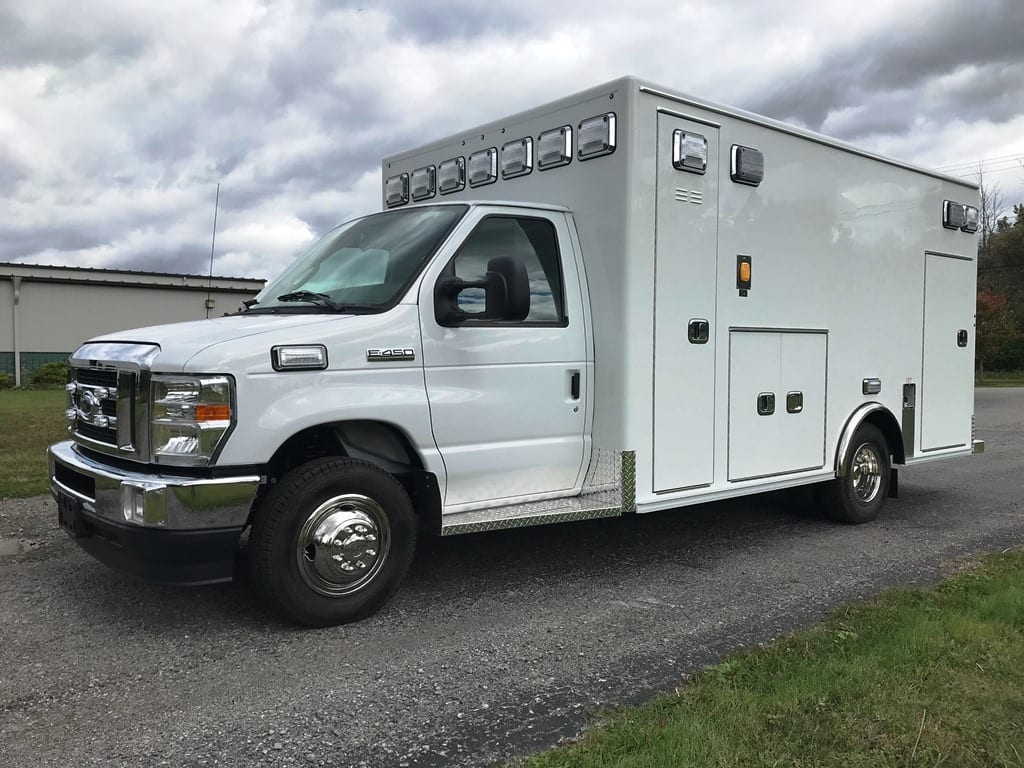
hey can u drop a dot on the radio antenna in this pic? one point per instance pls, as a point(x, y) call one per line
point(213, 243)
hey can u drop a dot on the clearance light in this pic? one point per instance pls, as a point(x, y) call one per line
point(423, 183)
point(970, 219)
point(483, 167)
point(516, 158)
point(312, 357)
point(396, 190)
point(747, 165)
point(554, 148)
point(689, 152)
point(451, 175)
point(953, 216)
point(597, 136)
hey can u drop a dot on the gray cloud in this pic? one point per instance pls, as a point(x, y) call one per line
point(117, 123)
point(44, 40)
point(886, 75)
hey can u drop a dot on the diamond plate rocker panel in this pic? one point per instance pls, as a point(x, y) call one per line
point(608, 490)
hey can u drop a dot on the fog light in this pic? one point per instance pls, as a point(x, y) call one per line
point(133, 503)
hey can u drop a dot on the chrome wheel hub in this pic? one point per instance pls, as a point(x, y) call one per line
point(342, 545)
point(866, 473)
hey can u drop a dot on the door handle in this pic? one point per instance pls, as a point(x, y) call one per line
point(574, 385)
point(698, 331)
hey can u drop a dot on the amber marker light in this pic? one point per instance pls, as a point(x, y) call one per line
point(213, 412)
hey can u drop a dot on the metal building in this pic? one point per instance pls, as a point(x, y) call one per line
point(46, 312)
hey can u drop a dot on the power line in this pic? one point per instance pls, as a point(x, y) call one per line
point(982, 161)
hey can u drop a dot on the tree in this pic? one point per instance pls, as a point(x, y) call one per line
point(993, 206)
point(996, 328)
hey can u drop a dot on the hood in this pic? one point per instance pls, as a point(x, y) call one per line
point(179, 342)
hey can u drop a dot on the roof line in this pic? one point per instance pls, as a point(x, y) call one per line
point(106, 270)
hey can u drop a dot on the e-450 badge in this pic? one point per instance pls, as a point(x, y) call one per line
point(389, 355)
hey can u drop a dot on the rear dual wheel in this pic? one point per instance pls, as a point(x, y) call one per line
point(859, 496)
point(332, 541)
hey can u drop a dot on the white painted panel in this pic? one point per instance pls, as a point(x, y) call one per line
point(802, 435)
point(947, 381)
point(778, 363)
point(755, 361)
point(684, 289)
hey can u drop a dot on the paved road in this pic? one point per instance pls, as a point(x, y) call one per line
point(498, 644)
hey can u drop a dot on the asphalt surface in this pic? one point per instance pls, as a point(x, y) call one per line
point(498, 644)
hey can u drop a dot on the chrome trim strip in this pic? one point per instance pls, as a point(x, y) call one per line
point(691, 118)
point(169, 501)
point(776, 474)
point(769, 329)
point(944, 447)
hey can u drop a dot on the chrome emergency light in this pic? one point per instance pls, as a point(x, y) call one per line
point(483, 167)
point(423, 183)
point(953, 216)
point(970, 219)
point(451, 175)
point(396, 190)
point(597, 136)
point(689, 152)
point(517, 158)
point(554, 148)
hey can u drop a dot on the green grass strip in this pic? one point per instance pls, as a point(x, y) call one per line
point(29, 421)
point(917, 677)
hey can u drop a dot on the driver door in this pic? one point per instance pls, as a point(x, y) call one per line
point(508, 399)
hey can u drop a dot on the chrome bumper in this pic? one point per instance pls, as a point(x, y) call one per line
point(150, 500)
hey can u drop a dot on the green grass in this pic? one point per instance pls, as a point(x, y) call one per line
point(29, 421)
point(927, 677)
point(1000, 380)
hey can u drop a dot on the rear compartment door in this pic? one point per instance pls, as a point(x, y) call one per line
point(686, 245)
point(947, 381)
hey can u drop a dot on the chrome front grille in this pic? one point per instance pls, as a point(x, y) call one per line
point(100, 403)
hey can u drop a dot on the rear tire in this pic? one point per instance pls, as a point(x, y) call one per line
point(860, 495)
point(332, 541)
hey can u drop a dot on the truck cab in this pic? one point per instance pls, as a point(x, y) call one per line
point(439, 353)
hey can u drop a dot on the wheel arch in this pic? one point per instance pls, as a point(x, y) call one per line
point(381, 443)
point(879, 416)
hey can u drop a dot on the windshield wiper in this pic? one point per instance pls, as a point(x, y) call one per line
point(320, 299)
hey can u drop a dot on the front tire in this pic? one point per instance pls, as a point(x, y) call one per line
point(860, 495)
point(332, 541)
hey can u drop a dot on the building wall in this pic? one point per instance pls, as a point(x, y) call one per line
point(58, 317)
point(54, 316)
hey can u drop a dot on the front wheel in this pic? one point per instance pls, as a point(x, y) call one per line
point(332, 541)
point(860, 495)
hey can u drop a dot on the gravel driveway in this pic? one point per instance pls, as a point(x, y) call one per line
point(498, 644)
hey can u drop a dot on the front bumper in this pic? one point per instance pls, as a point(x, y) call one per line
point(166, 528)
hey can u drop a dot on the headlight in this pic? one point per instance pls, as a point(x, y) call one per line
point(191, 417)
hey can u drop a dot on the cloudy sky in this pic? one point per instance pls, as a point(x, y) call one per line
point(119, 117)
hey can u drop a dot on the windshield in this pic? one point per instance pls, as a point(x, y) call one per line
point(363, 265)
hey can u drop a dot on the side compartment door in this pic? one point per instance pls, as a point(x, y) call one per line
point(685, 283)
point(508, 399)
point(947, 381)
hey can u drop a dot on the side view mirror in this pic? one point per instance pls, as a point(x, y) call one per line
point(506, 287)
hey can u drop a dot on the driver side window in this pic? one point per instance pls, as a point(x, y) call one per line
point(534, 242)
